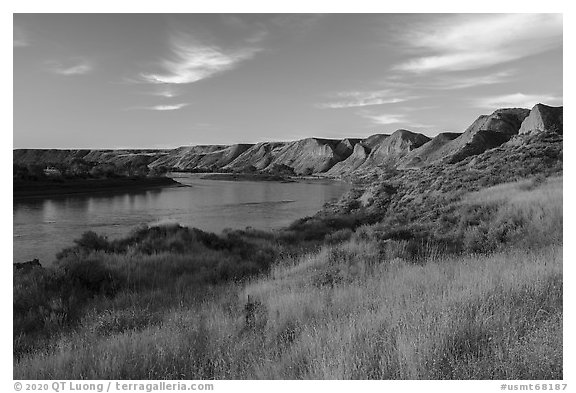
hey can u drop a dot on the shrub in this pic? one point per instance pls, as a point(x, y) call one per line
point(339, 236)
point(84, 278)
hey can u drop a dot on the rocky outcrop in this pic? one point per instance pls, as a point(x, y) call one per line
point(256, 157)
point(391, 149)
point(485, 133)
point(350, 164)
point(202, 157)
point(543, 118)
point(308, 156)
point(428, 152)
point(346, 147)
point(374, 140)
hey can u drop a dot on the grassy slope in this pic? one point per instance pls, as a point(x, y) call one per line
point(364, 307)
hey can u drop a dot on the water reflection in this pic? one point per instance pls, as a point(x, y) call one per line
point(43, 227)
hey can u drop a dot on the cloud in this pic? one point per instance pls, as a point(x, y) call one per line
point(387, 119)
point(71, 67)
point(464, 82)
point(352, 99)
point(192, 61)
point(517, 100)
point(172, 107)
point(160, 107)
point(467, 42)
point(166, 91)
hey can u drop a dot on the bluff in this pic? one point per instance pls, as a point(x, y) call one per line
point(311, 155)
point(428, 152)
point(202, 157)
point(350, 164)
point(486, 132)
point(391, 149)
point(543, 118)
point(256, 157)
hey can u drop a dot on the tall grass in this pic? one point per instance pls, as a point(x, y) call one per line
point(497, 316)
point(533, 206)
point(366, 307)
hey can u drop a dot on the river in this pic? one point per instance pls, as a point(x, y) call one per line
point(42, 227)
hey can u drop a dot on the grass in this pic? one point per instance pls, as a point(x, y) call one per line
point(534, 206)
point(451, 318)
point(477, 317)
point(389, 300)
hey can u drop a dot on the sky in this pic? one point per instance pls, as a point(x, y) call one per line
point(169, 80)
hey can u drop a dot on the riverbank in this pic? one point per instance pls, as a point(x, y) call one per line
point(47, 188)
point(248, 177)
point(266, 177)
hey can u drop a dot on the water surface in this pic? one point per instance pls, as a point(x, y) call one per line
point(42, 227)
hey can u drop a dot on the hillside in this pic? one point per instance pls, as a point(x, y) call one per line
point(256, 157)
point(201, 158)
point(485, 133)
point(390, 150)
point(350, 164)
point(428, 152)
point(63, 156)
point(310, 156)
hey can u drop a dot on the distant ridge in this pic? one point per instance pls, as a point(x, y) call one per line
point(337, 158)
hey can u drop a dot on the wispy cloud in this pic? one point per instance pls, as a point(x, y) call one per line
point(172, 107)
point(516, 100)
point(464, 82)
point(166, 91)
point(352, 99)
point(192, 60)
point(476, 41)
point(71, 67)
point(387, 119)
point(160, 107)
